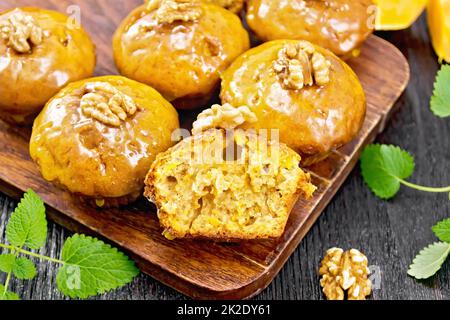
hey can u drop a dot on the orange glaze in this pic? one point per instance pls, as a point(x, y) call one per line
point(338, 25)
point(182, 60)
point(96, 160)
point(314, 120)
point(28, 80)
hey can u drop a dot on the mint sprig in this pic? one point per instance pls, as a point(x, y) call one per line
point(385, 167)
point(88, 265)
point(442, 230)
point(98, 266)
point(440, 101)
point(28, 225)
point(24, 269)
point(430, 259)
point(7, 262)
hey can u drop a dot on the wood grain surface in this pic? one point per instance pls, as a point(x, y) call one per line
point(355, 218)
point(203, 269)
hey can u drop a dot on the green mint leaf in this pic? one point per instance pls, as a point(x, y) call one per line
point(442, 230)
point(7, 262)
point(28, 225)
point(440, 101)
point(429, 260)
point(382, 166)
point(24, 269)
point(8, 295)
point(92, 267)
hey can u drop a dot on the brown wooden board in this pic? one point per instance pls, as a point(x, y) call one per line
point(200, 269)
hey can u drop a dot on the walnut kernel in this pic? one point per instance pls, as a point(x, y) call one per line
point(105, 103)
point(21, 31)
point(225, 116)
point(169, 11)
point(345, 272)
point(301, 65)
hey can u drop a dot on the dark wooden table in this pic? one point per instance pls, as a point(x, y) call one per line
point(390, 233)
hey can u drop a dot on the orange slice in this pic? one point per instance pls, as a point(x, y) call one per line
point(438, 13)
point(397, 14)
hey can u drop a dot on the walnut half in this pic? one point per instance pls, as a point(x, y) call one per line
point(345, 272)
point(301, 65)
point(105, 103)
point(225, 116)
point(21, 31)
point(169, 11)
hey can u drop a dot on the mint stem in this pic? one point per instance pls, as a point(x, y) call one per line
point(29, 253)
point(422, 188)
point(8, 278)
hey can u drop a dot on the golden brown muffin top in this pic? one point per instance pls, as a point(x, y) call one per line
point(179, 47)
point(312, 97)
point(98, 136)
point(41, 51)
point(338, 25)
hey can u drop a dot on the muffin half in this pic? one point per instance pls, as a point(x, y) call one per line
point(226, 185)
point(98, 137)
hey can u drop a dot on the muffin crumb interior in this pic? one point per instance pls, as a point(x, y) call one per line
point(226, 187)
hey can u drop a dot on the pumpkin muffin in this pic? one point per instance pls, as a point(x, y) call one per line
point(226, 185)
point(40, 52)
point(98, 137)
point(338, 25)
point(306, 92)
point(180, 48)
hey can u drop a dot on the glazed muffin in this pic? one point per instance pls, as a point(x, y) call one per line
point(40, 52)
point(226, 185)
point(338, 25)
point(98, 137)
point(306, 92)
point(180, 48)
